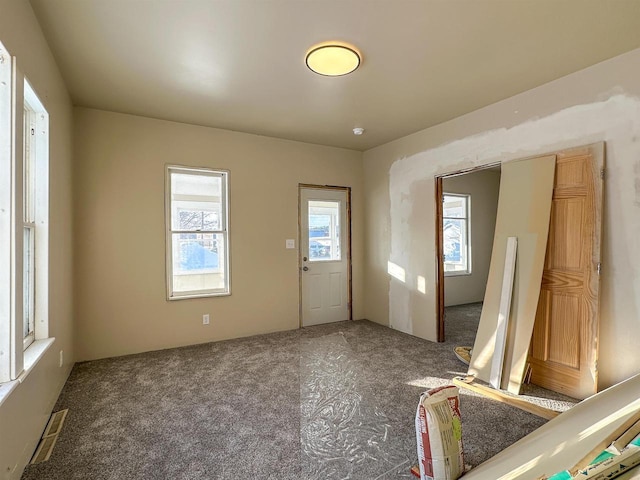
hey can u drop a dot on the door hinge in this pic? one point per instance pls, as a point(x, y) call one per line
point(602, 174)
point(599, 268)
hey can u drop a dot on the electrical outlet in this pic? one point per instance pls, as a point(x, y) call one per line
point(61, 358)
point(205, 319)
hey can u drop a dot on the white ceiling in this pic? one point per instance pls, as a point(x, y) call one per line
point(239, 64)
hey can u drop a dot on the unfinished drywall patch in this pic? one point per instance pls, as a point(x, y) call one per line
point(615, 120)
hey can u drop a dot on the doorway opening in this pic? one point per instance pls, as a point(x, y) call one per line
point(324, 237)
point(466, 207)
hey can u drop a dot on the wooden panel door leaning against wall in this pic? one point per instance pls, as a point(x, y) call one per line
point(564, 346)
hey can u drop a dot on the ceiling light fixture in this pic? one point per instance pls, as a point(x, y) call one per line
point(333, 59)
point(358, 131)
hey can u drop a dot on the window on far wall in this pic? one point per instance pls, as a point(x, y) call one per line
point(455, 234)
point(197, 232)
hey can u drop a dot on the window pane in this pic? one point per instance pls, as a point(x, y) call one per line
point(198, 262)
point(197, 220)
point(29, 155)
point(324, 231)
point(455, 245)
point(28, 281)
point(454, 207)
point(196, 202)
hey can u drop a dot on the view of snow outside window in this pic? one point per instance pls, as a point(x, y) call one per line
point(324, 230)
point(198, 251)
point(455, 224)
point(198, 232)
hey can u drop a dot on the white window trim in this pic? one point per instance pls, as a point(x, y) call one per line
point(15, 361)
point(467, 218)
point(8, 355)
point(171, 295)
point(41, 219)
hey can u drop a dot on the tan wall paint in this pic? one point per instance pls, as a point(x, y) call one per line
point(121, 301)
point(483, 186)
point(600, 103)
point(24, 414)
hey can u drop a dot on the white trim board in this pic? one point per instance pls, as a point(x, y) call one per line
point(497, 363)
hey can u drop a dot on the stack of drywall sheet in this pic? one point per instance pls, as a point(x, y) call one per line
point(524, 207)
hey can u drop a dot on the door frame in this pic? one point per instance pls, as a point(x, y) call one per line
point(348, 244)
point(439, 196)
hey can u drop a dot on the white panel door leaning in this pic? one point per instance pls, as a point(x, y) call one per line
point(325, 256)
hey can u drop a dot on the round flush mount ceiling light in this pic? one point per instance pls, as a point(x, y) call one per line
point(333, 59)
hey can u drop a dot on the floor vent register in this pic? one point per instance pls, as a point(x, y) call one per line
point(49, 437)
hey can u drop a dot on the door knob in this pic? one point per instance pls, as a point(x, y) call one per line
point(305, 268)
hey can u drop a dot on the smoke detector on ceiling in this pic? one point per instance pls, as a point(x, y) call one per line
point(358, 131)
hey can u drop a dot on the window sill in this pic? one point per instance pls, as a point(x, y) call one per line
point(6, 389)
point(32, 356)
point(456, 274)
point(196, 295)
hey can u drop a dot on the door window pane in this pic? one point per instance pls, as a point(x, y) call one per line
point(324, 231)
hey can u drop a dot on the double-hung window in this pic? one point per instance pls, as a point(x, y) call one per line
point(455, 234)
point(35, 208)
point(29, 226)
point(24, 222)
point(197, 232)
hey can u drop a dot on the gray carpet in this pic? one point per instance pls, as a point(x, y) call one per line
point(329, 402)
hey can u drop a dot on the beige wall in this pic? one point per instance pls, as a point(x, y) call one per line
point(24, 414)
point(121, 304)
point(118, 194)
point(483, 186)
point(600, 103)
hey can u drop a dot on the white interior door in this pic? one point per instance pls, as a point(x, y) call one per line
point(324, 251)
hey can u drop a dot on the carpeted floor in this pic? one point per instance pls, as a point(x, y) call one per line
point(329, 402)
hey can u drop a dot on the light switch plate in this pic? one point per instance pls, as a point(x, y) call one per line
point(290, 243)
